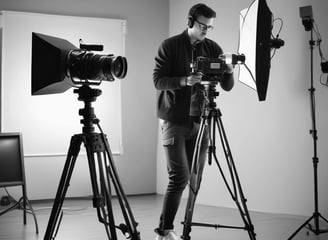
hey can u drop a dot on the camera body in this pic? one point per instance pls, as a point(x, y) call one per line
point(64, 65)
point(211, 68)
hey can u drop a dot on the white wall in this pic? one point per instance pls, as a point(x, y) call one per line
point(147, 24)
point(270, 140)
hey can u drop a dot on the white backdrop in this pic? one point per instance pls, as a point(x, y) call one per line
point(48, 121)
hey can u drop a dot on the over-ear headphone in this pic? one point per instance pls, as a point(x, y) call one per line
point(191, 21)
point(194, 12)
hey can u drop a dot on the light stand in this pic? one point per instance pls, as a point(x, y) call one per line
point(102, 170)
point(308, 24)
point(211, 117)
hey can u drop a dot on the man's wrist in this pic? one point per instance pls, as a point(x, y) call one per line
point(183, 81)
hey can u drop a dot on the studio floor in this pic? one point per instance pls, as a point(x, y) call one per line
point(80, 222)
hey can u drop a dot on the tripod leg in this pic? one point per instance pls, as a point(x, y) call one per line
point(73, 152)
point(100, 184)
point(129, 229)
point(194, 182)
point(237, 194)
point(102, 170)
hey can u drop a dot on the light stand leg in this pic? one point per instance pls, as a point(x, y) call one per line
point(34, 216)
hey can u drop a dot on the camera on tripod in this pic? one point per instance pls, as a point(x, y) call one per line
point(210, 67)
point(88, 67)
point(58, 65)
point(213, 69)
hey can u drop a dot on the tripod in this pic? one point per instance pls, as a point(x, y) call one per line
point(316, 215)
point(102, 170)
point(211, 117)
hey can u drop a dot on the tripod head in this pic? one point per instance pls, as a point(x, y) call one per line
point(88, 95)
point(210, 93)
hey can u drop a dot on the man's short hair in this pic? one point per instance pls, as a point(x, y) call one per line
point(201, 9)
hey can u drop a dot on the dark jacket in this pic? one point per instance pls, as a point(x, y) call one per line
point(172, 63)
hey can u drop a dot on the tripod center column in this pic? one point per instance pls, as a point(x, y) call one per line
point(88, 95)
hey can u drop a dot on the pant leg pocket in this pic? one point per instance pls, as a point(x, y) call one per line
point(168, 133)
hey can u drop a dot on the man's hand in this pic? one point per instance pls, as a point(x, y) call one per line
point(194, 78)
point(229, 68)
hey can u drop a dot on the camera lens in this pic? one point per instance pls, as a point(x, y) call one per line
point(119, 67)
point(88, 66)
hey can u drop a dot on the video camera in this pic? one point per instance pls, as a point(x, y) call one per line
point(208, 66)
point(214, 68)
point(58, 65)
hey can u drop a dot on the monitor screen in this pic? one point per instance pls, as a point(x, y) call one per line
point(10, 159)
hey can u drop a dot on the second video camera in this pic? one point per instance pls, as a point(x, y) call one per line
point(208, 66)
point(214, 68)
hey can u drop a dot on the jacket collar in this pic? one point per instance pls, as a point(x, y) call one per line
point(187, 38)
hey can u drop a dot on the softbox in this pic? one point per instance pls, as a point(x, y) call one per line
point(256, 43)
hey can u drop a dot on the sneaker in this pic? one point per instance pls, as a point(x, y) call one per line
point(159, 237)
point(168, 235)
point(171, 235)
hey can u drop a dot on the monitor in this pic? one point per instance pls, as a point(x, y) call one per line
point(11, 159)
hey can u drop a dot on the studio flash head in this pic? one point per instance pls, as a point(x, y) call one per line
point(230, 58)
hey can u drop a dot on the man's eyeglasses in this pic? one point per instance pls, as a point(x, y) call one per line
point(204, 27)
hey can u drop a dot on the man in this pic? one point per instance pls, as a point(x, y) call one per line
point(180, 103)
